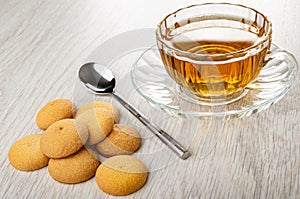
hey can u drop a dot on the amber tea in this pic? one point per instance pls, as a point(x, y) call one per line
point(218, 76)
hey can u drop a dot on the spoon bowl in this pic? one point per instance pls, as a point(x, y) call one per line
point(97, 78)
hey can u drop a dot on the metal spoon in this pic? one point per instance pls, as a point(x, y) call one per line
point(100, 80)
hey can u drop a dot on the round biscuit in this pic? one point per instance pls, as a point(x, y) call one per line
point(54, 111)
point(76, 168)
point(123, 139)
point(99, 104)
point(25, 154)
point(63, 138)
point(121, 175)
point(99, 122)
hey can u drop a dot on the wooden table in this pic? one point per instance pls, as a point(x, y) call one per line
point(42, 44)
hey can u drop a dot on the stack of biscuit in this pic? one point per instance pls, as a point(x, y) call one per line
point(69, 147)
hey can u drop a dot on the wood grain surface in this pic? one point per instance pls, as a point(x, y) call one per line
point(42, 45)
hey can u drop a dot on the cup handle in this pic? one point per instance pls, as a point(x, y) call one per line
point(279, 71)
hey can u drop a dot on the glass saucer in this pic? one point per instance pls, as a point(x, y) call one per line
point(153, 83)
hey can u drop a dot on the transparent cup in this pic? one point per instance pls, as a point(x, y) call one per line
point(214, 50)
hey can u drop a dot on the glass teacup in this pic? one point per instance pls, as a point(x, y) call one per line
point(214, 50)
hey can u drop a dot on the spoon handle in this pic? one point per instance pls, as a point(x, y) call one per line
point(181, 151)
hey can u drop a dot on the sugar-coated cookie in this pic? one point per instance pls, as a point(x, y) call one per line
point(99, 122)
point(54, 111)
point(63, 138)
point(100, 104)
point(121, 175)
point(76, 168)
point(25, 154)
point(123, 139)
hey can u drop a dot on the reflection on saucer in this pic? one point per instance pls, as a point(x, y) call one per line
point(199, 136)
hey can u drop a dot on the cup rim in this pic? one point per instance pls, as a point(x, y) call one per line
point(233, 54)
